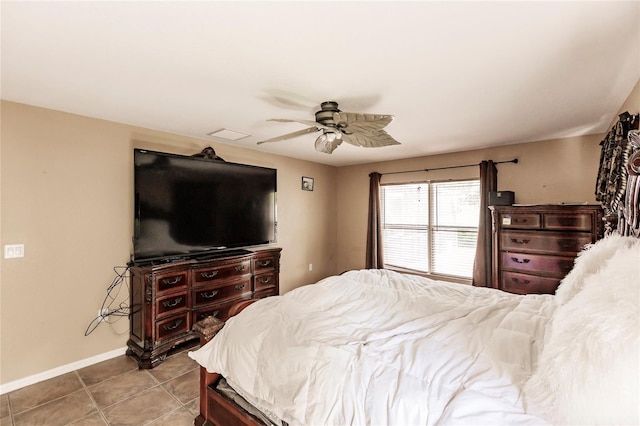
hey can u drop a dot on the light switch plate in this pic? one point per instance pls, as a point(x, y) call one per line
point(13, 251)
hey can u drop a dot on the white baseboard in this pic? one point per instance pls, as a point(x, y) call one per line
point(59, 371)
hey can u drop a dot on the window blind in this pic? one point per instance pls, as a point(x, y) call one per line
point(455, 213)
point(405, 224)
point(431, 227)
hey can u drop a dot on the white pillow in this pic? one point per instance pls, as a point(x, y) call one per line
point(589, 369)
point(592, 258)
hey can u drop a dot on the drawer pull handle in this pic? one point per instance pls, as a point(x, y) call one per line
point(520, 220)
point(169, 327)
point(240, 286)
point(568, 244)
point(264, 280)
point(172, 281)
point(171, 304)
point(263, 263)
point(523, 261)
point(565, 265)
point(210, 294)
point(209, 274)
point(516, 241)
point(517, 281)
point(212, 314)
point(240, 268)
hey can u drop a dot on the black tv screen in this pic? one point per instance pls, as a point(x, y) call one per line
point(193, 206)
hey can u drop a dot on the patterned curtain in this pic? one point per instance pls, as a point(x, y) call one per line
point(612, 174)
point(483, 261)
point(611, 182)
point(375, 258)
point(629, 209)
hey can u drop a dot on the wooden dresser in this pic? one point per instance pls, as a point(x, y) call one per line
point(167, 299)
point(534, 247)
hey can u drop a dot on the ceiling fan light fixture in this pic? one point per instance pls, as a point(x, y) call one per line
point(228, 134)
point(328, 142)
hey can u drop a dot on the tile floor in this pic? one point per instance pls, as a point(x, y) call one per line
point(113, 392)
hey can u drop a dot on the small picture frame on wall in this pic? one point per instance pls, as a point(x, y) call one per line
point(307, 183)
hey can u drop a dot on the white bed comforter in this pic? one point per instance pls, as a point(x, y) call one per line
point(375, 347)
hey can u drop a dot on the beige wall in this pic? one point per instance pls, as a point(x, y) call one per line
point(67, 185)
point(553, 171)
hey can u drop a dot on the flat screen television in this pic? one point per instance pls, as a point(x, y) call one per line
point(193, 207)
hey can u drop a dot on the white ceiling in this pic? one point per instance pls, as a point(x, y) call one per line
point(456, 75)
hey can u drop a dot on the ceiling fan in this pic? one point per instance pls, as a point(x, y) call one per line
point(365, 130)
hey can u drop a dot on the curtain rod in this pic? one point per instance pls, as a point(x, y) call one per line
point(515, 161)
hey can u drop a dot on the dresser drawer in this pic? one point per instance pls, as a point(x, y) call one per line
point(265, 293)
point(265, 263)
point(172, 326)
point(220, 293)
point(521, 220)
point(265, 281)
point(568, 222)
point(550, 242)
point(171, 304)
point(525, 284)
point(223, 272)
point(174, 281)
point(220, 311)
point(554, 266)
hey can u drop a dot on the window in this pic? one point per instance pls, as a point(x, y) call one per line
point(431, 227)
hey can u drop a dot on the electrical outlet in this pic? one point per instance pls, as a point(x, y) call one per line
point(311, 267)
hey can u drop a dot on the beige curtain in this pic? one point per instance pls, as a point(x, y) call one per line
point(375, 258)
point(483, 261)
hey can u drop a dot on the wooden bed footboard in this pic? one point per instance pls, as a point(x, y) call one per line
point(216, 409)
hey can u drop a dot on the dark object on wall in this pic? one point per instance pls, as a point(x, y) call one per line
point(208, 153)
point(501, 198)
point(307, 183)
point(187, 206)
point(628, 212)
point(612, 174)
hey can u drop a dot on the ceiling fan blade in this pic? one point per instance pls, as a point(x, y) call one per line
point(361, 123)
point(309, 101)
point(287, 99)
point(375, 139)
point(307, 122)
point(360, 102)
point(291, 135)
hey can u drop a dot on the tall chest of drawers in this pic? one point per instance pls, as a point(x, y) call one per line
point(534, 246)
point(167, 299)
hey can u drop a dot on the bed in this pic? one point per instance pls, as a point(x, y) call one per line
point(376, 347)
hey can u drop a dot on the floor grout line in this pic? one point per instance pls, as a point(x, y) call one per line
point(99, 412)
point(13, 423)
point(95, 403)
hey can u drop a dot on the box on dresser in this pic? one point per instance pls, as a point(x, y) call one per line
point(167, 299)
point(534, 246)
point(501, 198)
